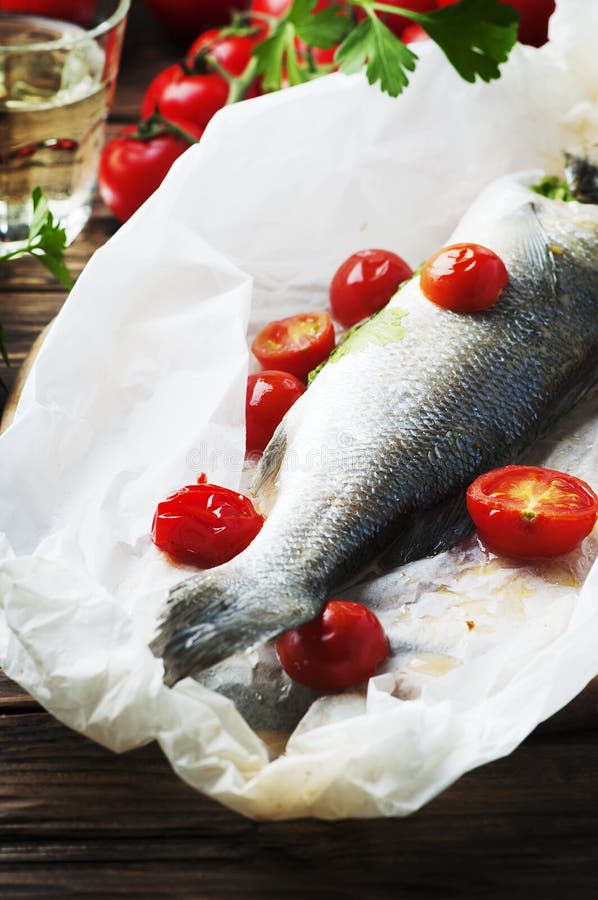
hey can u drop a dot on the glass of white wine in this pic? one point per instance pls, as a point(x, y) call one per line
point(57, 80)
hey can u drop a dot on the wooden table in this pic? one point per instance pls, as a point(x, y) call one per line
point(78, 821)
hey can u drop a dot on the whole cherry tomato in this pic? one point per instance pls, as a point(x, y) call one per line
point(464, 278)
point(397, 23)
point(233, 51)
point(297, 344)
point(275, 9)
point(533, 26)
point(205, 525)
point(81, 12)
point(413, 33)
point(188, 17)
point(530, 511)
point(270, 395)
point(177, 95)
point(342, 647)
point(364, 283)
point(134, 163)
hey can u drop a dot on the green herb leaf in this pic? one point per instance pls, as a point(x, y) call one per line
point(46, 241)
point(553, 187)
point(475, 35)
point(322, 29)
point(388, 59)
point(270, 54)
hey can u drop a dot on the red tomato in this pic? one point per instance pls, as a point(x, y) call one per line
point(342, 647)
point(413, 33)
point(205, 525)
point(188, 17)
point(297, 344)
point(529, 511)
point(269, 396)
point(81, 12)
point(131, 168)
point(277, 8)
point(464, 278)
point(397, 23)
point(195, 98)
point(233, 52)
point(533, 27)
point(364, 283)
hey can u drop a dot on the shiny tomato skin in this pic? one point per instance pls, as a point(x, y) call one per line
point(464, 278)
point(296, 344)
point(413, 33)
point(188, 17)
point(364, 283)
point(233, 52)
point(342, 647)
point(275, 9)
point(529, 511)
point(398, 23)
point(270, 394)
point(535, 14)
point(130, 169)
point(81, 12)
point(195, 98)
point(205, 525)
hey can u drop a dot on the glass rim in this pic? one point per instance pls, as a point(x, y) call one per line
point(66, 42)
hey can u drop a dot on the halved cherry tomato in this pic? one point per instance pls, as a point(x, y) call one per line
point(269, 396)
point(297, 344)
point(529, 511)
point(364, 283)
point(464, 278)
point(205, 525)
point(177, 95)
point(343, 646)
point(533, 26)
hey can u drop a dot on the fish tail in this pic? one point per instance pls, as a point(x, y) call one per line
point(581, 173)
point(215, 614)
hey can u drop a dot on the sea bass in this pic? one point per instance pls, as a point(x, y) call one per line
point(368, 469)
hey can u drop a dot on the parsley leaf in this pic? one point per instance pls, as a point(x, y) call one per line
point(46, 241)
point(319, 29)
point(475, 35)
point(387, 58)
point(270, 55)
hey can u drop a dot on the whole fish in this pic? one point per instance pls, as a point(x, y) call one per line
point(368, 469)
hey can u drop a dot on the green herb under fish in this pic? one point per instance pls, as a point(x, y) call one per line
point(553, 187)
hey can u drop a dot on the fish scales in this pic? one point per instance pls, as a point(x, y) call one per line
point(368, 469)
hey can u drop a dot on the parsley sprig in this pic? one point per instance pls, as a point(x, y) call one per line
point(46, 241)
point(476, 36)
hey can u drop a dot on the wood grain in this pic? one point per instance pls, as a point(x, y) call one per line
point(74, 814)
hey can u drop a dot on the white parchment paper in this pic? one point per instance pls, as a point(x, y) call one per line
point(140, 386)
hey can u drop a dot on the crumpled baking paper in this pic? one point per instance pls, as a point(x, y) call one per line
point(139, 387)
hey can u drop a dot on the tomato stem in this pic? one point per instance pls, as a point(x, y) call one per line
point(157, 125)
point(239, 87)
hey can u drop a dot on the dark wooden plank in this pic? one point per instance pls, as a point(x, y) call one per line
point(13, 698)
point(70, 808)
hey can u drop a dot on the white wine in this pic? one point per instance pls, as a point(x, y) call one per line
point(53, 105)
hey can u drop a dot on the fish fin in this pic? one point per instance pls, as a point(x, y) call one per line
point(264, 484)
point(581, 174)
point(215, 614)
